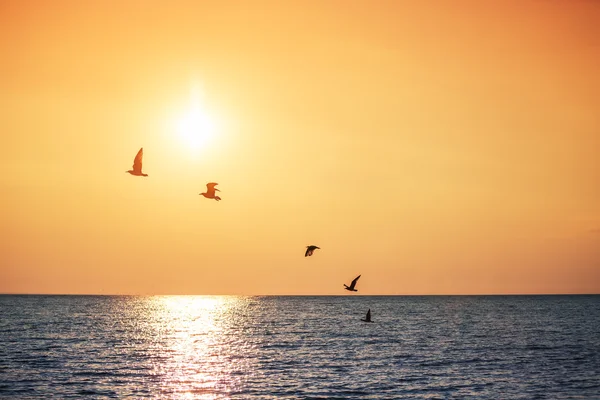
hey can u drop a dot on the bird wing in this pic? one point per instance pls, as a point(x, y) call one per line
point(354, 282)
point(137, 161)
point(210, 188)
point(308, 252)
point(369, 314)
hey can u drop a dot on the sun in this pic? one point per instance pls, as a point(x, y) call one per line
point(195, 128)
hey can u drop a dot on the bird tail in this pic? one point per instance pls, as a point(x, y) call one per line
point(346, 286)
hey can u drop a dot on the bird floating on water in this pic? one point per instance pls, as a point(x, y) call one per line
point(367, 317)
point(210, 191)
point(137, 164)
point(310, 249)
point(351, 287)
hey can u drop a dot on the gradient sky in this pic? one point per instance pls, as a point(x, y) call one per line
point(435, 147)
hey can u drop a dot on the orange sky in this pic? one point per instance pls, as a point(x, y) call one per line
point(433, 147)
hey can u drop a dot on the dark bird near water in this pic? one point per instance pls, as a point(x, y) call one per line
point(210, 191)
point(310, 249)
point(137, 164)
point(351, 287)
point(368, 317)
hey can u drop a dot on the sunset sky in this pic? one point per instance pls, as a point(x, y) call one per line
point(435, 147)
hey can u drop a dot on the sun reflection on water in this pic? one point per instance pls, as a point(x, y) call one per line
point(196, 339)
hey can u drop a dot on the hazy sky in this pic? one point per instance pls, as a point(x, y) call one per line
point(435, 147)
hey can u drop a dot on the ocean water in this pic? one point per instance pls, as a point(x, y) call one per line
point(300, 347)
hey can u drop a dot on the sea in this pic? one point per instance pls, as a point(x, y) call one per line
point(299, 347)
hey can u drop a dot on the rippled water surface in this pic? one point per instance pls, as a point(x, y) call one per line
point(212, 347)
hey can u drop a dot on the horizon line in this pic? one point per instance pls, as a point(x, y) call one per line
point(302, 295)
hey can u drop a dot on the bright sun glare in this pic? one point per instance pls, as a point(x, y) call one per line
point(195, 128)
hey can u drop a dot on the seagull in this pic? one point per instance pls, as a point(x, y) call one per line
point(210, 191)
point(137, 164)
point(351, 287)
point(310, 249)
point(368, 317)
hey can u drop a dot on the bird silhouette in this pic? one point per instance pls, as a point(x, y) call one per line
point(310, 249)
point(137, 164)
point(351, 287)
point(367, 317)
point(210, 191)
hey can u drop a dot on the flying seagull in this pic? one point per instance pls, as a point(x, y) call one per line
point(351, 287)
point(310, 249)
point(137, 164)
point(368, 317)
point(210, 191)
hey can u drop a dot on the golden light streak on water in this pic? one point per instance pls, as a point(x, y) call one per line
point(194, 333)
